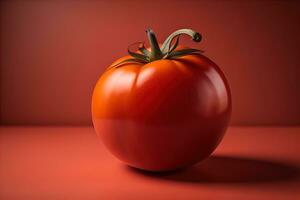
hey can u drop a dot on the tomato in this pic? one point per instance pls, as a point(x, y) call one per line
point(164, 114)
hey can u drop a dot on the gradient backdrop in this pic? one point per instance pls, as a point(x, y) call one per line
point(52, 53)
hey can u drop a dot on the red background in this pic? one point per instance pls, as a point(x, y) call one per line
point(52, 53)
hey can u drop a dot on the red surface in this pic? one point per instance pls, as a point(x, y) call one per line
point(52, 53)
point(71, 163)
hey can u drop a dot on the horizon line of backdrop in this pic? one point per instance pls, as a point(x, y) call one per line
point(53, 52)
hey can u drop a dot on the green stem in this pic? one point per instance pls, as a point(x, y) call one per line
point(167, 50)
point(155, 53)
point(195, 36)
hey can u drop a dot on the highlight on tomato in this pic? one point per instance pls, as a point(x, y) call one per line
point(164, 107)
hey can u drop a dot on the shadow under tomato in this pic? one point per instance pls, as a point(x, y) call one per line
point(225, 169)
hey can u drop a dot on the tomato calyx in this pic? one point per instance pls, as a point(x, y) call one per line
point(166, 51)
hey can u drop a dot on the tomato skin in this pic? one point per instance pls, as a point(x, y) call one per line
point(163, 115)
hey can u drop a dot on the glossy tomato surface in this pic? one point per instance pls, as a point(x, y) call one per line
point(163, 115)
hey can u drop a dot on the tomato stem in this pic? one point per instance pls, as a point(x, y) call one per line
point(166, 51)
point(193, 34)
point(155, 53)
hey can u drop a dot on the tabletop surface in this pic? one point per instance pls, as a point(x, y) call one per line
point(71, 163)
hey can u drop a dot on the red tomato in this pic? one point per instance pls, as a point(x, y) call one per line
point(162, 115)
